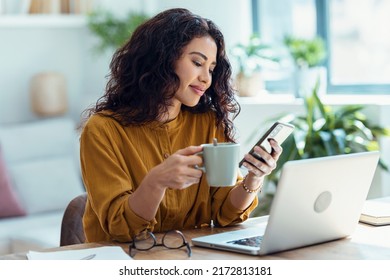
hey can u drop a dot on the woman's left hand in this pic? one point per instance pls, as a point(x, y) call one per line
point(260, 168)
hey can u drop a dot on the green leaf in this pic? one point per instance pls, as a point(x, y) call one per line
point(112, 31)
point(306, 53)
point(254, 55)
point(323, 131)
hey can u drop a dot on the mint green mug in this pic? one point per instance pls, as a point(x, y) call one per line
point(220, 163)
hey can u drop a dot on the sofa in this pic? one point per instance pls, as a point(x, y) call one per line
point(39, 176)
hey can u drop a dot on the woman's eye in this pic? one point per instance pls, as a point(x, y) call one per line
point(197, 63)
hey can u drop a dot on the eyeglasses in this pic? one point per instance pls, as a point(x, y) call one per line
point(146, 240)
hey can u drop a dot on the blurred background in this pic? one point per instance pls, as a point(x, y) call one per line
point(49, 39)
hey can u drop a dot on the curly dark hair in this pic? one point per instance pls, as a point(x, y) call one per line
point(142, 80)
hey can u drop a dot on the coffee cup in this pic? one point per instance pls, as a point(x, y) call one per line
point(220, 163)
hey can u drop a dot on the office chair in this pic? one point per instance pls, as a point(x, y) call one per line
point(72, 231)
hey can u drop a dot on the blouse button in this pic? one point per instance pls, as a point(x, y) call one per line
point(166, 155)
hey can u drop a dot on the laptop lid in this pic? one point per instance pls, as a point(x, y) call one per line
point(316, 200)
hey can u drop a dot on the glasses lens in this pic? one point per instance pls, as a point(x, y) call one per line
point(173, 240)
point(144, 241)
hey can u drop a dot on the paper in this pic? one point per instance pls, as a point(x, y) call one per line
point(99, 253)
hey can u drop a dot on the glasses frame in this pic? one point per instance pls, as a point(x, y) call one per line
point(185, 242)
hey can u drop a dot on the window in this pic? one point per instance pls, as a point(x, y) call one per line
point(355, 31)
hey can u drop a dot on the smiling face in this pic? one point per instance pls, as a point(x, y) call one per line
point(194, 69)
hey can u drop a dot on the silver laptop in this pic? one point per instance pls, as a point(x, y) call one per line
point(316, 200)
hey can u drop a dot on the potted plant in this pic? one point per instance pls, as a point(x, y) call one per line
point(112, 31)
point(252, 58)
point(324, 131)
point(307, 56)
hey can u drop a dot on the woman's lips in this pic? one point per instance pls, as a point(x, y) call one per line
point(198, 90)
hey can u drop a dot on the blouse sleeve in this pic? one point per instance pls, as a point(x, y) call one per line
point(224, 213)
point(107, 183)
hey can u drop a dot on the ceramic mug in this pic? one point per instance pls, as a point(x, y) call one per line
point(220, 163)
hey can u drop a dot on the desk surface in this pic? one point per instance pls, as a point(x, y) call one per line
point(367, 242)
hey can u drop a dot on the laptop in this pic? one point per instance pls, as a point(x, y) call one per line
point(316, 200)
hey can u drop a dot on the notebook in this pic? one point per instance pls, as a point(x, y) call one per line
point(316, 200)
point(376, 211)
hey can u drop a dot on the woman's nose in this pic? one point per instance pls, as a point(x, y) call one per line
point(205, 77)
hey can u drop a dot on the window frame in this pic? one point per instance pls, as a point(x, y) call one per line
point(322, 24)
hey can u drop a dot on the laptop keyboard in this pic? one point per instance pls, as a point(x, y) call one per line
point(254, 241)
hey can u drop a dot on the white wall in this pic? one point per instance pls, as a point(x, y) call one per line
point(26, 52)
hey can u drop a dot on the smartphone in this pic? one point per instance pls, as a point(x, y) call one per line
point(279, 131)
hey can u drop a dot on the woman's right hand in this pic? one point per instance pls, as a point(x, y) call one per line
point(178, 171)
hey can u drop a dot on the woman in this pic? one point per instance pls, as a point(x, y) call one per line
point(169, 92)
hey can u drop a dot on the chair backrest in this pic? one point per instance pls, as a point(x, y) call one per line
point(72, 231)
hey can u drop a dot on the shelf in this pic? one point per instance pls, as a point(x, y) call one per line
point(269, 98)
point(46, 21)
point(329, 99)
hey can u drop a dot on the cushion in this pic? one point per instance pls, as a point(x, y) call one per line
point(46, 184)
point(9, 202)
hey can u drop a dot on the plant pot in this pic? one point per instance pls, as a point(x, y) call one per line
point(305, 80)
point(248, 86)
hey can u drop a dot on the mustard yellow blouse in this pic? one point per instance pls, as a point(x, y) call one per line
point(115, 159)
